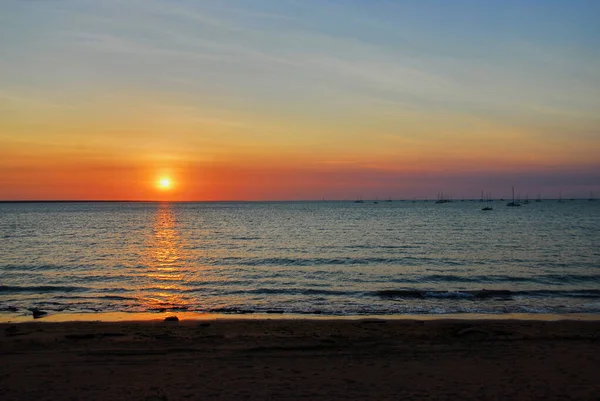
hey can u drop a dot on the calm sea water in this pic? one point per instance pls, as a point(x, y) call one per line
point(331, 258)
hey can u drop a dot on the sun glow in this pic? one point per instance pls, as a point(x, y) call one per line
point(165, 183)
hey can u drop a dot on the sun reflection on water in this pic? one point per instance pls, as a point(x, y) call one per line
point(164, 260)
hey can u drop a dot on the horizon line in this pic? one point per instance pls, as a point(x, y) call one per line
point(5, 201)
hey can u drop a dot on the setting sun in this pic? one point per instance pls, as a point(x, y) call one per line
point(164, 183)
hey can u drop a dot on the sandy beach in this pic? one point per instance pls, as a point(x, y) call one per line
point(301, 359)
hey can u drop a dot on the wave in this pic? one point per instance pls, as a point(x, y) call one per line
point(407, 293)
point(281, 291)
point(541, 278)
point(486, 294)
point(391, 260)
point(404, 261)
point(40, 288)
point(36, 267)
point(100, 297)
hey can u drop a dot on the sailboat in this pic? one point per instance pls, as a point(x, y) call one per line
point(441, 198)
point(513, 203)
point(489, 202)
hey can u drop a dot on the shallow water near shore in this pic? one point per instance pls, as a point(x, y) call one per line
point(194, 316)
point(300, 258)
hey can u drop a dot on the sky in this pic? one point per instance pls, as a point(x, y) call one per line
point(298, 99)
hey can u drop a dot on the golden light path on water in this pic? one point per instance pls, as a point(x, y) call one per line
point(164, 259)
point(170, 277)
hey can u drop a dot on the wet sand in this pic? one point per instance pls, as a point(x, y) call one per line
point(301, 359)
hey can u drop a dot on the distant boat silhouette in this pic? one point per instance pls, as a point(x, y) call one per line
point(539, 199)
point(591, 196)
point(489, 202)
point(513, 203)
point(441, 198)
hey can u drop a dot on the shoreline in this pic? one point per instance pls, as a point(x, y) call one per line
point(158, 316)
point(289, 359)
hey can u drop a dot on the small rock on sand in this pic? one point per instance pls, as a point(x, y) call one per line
point(38, 313)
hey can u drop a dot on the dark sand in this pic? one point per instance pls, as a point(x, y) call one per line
point(301, 359)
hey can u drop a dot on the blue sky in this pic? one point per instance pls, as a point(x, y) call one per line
point(534, 53)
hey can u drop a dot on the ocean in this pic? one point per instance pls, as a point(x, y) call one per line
point(304, 258)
